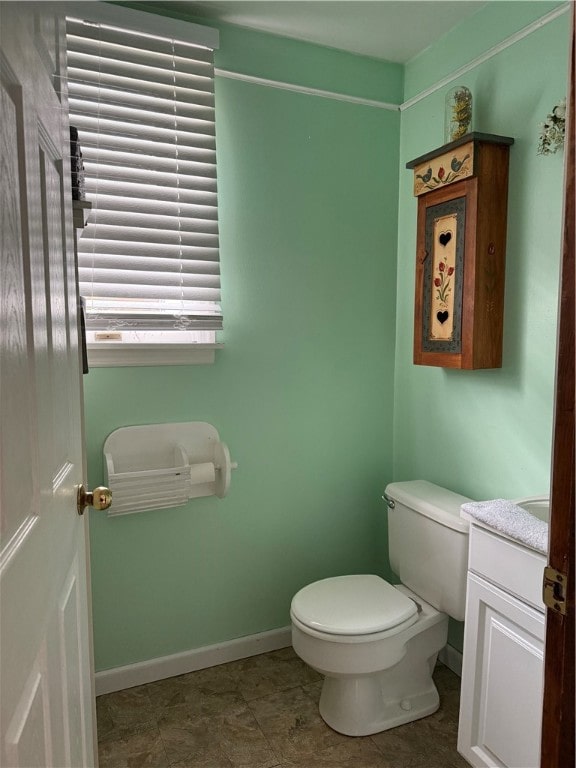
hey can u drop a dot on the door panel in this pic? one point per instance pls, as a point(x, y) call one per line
point(15, 308)
point(51, 189)
point(71, 662)
point(28, 735)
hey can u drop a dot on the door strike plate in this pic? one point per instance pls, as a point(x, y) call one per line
point(554, 590)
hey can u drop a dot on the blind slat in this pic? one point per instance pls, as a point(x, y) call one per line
point(82, 34)
point(141, 235)
point(152, 86)
point(155, 207)
point(145, 278)
point(144, 110)
point(123, 188)
point(152, 292)
point(143, 177)
point(80, 83)
point(89, 67)
point(118, 143)
point(173, 165)
point(86, 247)
point(141, 131)
point(139, 99)
point(135, 115)
point(141, 263)
point(144, 221)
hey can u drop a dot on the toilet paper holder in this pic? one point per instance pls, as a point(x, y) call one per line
point(157, 466)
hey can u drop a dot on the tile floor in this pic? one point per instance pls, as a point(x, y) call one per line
point(261, 712)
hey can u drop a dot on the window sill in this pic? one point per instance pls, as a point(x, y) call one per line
point(115, 355)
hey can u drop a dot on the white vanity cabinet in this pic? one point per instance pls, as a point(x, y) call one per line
point(502, 675)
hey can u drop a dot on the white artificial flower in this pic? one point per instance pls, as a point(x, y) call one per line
point(560, 110)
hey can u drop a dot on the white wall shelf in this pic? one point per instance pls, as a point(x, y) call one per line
point(158, 466)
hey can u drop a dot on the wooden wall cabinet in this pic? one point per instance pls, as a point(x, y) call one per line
point(462, 191)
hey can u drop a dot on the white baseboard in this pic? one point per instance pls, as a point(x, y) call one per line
point(117, 679)
point(142, 672)
point(452, 659)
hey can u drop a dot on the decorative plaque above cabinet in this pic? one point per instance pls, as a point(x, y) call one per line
point(462, 191)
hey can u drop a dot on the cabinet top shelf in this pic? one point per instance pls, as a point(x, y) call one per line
point(485, 138)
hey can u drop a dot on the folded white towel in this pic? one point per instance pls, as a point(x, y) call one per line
point(509, 518)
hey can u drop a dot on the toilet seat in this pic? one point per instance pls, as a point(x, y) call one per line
point(353, 605)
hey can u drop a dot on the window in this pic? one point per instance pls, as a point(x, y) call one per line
point(141, 95)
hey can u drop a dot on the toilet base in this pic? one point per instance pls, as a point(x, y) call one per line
point(360, 697)
point(367, 704)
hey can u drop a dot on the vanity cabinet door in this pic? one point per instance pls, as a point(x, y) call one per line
point(502, 679)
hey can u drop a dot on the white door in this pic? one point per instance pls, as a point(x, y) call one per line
point(46, 694)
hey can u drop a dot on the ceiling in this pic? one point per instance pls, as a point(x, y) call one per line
point(395, 30)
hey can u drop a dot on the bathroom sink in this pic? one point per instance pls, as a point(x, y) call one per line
point(528, 527)
point(539, 506)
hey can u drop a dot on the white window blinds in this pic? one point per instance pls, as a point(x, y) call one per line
point(144, 109)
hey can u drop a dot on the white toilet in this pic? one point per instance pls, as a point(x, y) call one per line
point(376, 644)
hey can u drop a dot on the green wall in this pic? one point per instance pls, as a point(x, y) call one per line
point(487, 433)
point(302, 391)
point(315, 391)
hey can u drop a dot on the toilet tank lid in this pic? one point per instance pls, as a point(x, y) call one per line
point(432, 501)
point(352, 605)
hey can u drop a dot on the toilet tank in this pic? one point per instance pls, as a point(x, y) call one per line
point(428, 543)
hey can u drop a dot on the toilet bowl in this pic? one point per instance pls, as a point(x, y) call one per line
point(374, 680)
point(376, 643)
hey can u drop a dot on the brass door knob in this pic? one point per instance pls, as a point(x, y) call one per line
point(99, 498)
